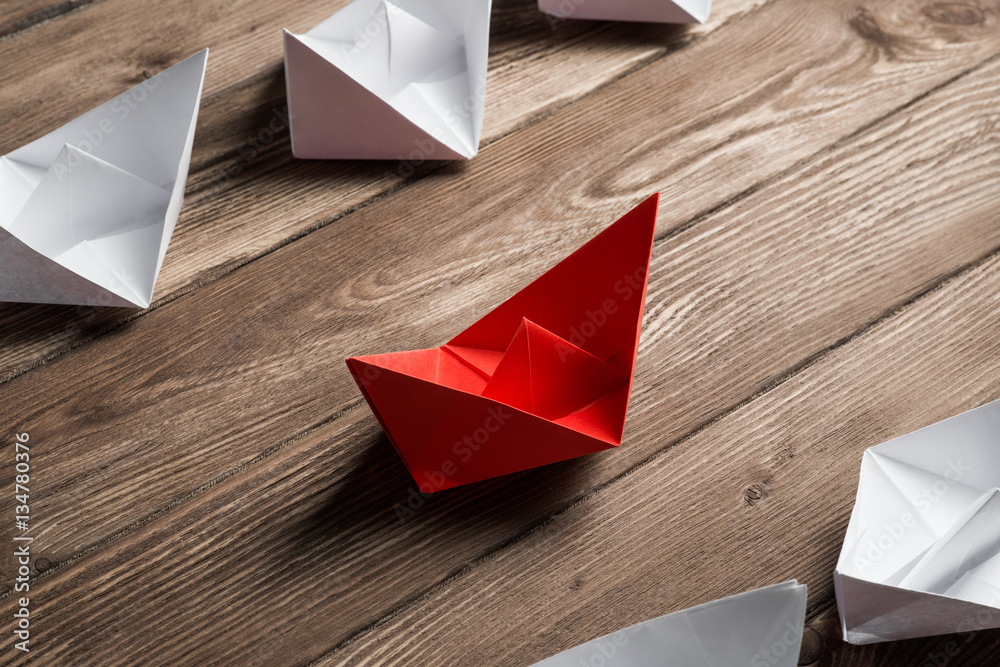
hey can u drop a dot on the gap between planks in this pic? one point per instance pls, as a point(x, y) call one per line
point(660, 238)
point(816, 608)
point(790, 373)
point(221, 271)
point(42, 16)
point(166, 509)
point(692, 222)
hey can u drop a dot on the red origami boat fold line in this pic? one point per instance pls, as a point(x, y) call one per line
point(544, 377)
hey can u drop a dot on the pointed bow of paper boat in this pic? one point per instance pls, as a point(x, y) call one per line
point(87, 211)
point(922, 552)
point(756, 628)
point(544, 377)
point(390, 80)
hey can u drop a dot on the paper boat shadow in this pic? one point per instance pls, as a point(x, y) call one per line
point(28, 324)
point(378, 495)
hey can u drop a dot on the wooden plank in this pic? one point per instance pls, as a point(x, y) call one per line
point(325, 503)
point(241, 138)
point(242, 384)
point(20, 15)
point(680, 530)
point(726, 125)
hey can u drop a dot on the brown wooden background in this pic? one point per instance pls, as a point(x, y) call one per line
point(208, 486)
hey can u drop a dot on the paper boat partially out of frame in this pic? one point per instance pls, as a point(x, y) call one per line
point(922, 551)
point(757, 628)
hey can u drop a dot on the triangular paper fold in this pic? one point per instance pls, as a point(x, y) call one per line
point(89, 208)
point(390, 81)
point(648, 11)
point(593, 299)
point(548, 376)
point(973, 540)
point(922, 551)
point(544, 377)
point(760, 627)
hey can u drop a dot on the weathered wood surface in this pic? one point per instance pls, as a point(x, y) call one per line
point(657, 540)
point(17, 16)
point(211, 486)
point(242, 145)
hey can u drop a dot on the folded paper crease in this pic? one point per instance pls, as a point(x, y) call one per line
point(89, 209)
point(922, 552)
point(543, 377)
point(390, 81)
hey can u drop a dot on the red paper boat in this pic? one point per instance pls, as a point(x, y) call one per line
point(544, 377)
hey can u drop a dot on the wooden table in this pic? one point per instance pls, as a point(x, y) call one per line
point(208, 486)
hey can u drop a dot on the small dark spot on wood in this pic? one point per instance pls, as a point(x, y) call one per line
point(42, 564)
point(753, 494)
point(784, 455)
point(146, 74)
point(253, 28)
point(813, 647)
point(577, 584)
point(955, 13)
point(866, 25)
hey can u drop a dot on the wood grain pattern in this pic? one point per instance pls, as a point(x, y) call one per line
point(304, 500)
point(265, 393)
point(534, 69)
point(212, 488)
point(19, 15)
point(659, 540)
point(733, 124)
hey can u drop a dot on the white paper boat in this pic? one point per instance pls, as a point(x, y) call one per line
point(87, 211)
point(760, 627)
point(390, 80)
point(922, 551)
